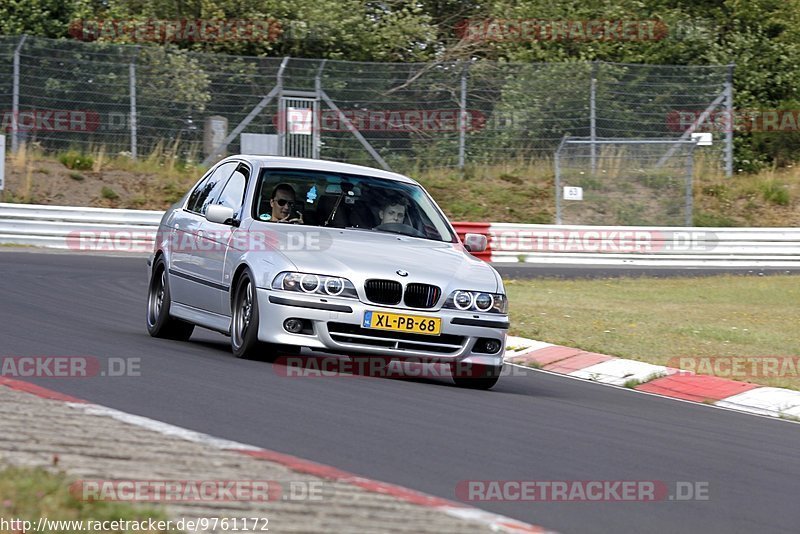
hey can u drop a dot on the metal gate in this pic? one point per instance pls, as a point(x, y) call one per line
point(624, 182)
point(299, 129)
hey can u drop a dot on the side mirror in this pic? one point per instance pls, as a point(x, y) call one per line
point(475, 242)
point(217, 213)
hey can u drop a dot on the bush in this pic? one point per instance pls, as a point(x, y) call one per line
point(775, 192)
point(76, 161)
point(109, 193)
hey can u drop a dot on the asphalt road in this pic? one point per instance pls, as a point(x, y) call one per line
point(425, 435)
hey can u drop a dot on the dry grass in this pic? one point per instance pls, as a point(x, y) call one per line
point(30, 494)
point(654, 320)
point(521, 190)
point(153, 182)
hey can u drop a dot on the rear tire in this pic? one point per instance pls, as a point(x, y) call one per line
point(476, 376)
point(159, 323)
point(245, 319)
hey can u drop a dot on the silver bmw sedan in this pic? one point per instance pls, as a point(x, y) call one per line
point(290, 255)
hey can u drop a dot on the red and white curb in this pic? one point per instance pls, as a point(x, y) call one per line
point(494, 522)
point(656, 379)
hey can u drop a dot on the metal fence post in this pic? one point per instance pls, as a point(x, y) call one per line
point(729, 129)
point(690, 185)
point(593, 116)
point(281, 108)
point(2, 164)
point(462, 118)
point(316, 119)
point(132, 90)
point(15, 99)
point(557, 169)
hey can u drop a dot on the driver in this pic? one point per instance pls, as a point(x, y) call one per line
point(392, 211)
point(282, 203)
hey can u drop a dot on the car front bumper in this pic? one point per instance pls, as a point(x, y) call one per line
point(336, 327)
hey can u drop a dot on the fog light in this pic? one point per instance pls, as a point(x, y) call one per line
point(293, 326)
point(487, 346)
point(492, 346)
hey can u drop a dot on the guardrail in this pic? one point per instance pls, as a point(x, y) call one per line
point(645, 245)
point(62, 227)
point(117, 230)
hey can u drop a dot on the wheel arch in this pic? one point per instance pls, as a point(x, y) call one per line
point(237, 275)
point(157, 256)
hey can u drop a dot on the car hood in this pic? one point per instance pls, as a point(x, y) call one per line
point(362, 254)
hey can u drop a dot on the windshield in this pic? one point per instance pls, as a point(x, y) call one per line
point(320, 198)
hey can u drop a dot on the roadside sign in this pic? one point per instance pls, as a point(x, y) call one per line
point(573, 193)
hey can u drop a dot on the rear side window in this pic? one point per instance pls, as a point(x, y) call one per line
point(208, 189)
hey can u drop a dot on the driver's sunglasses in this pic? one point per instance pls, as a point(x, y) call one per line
point(282, 201)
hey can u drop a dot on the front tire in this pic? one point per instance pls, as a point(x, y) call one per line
point(244, 323)
point(159, 323)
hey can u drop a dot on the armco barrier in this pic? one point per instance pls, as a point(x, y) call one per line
point(645, 245)
point(51, 226)
point(58, 227)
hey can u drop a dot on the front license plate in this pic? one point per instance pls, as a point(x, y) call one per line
point(402, 323)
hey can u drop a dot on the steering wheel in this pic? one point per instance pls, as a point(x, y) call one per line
point(400, 228)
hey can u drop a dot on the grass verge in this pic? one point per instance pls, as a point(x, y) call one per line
point(518, 191)
point(30, 494)
point(656, 320)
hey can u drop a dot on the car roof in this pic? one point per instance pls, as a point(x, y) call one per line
point(321, 165)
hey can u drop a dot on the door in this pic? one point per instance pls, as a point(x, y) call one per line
point(189, 281)
point(215, 239)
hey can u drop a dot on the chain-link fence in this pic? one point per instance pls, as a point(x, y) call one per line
point(624, 182)
point(62, 94)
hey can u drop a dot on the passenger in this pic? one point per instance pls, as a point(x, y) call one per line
point(392, 211)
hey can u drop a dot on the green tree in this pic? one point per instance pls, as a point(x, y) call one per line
point(762, 37)
point(47, 18)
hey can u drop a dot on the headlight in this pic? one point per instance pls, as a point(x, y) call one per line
point(484, 301)
point(463, 300)
point(315, 284)
point(477, 301)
